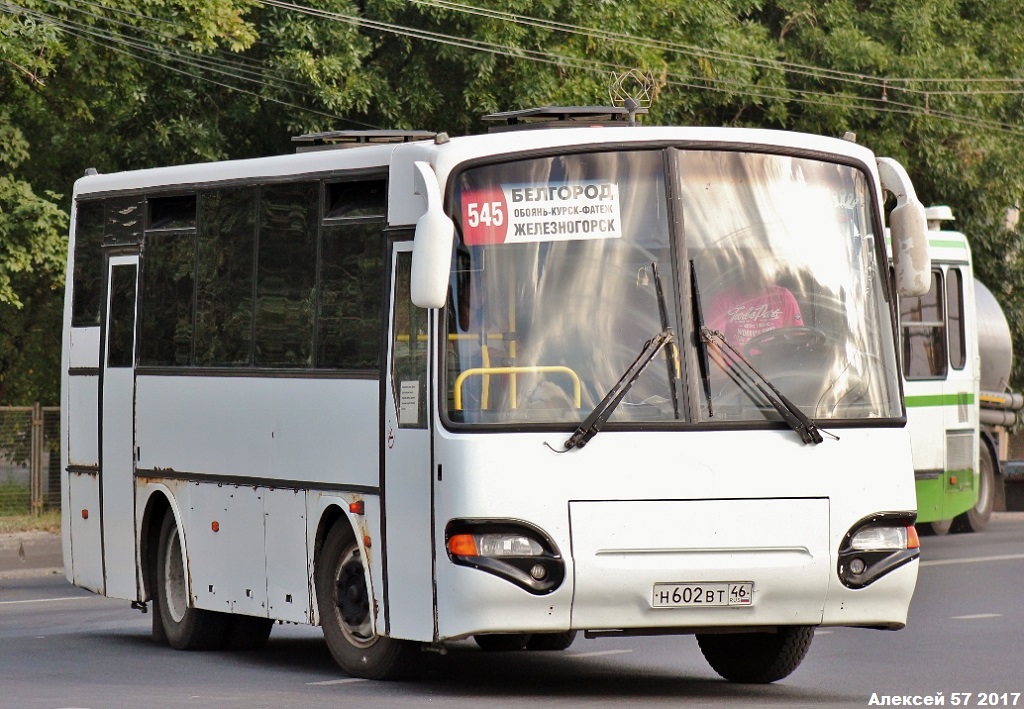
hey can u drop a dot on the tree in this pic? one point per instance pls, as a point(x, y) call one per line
point(125, 84)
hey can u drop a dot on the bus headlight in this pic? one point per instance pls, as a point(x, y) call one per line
point(515, 551)
point(875, 546)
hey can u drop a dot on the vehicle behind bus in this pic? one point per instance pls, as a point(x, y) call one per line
point(956, 361)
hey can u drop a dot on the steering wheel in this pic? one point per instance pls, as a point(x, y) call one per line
point(783, 339)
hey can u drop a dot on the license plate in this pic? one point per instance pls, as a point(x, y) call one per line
point(703, 595)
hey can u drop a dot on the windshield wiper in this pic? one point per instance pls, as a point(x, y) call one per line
point(671, 359)
point(702, 344)
point(604, 409)
point(797, 420)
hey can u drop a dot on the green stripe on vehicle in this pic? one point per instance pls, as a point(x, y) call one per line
point(958, 399)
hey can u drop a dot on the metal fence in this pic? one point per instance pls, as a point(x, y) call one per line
point(29, 458)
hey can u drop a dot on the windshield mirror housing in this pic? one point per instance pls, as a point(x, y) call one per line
point(909, 228)
point(432, 244)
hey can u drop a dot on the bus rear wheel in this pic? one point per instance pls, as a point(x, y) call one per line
point(756, 658)
point(184, 627)
point(344, 603)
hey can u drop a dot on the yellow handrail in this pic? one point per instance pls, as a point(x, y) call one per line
point(543, 369)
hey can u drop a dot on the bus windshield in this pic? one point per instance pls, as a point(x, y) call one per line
point(565, 266)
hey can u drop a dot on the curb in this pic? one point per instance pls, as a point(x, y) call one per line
point(35, 551)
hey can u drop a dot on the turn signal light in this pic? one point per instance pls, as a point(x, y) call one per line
point(462, 545)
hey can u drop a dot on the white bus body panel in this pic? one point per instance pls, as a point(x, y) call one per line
point(610, 495)
point(227, 548)
point(282, 428)
point(83, 432)
point(289, 572)
point(84, 565)
point(84, 346)
point(621, 549)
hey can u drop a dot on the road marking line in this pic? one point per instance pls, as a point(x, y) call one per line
point(600, 653)
point(327, 682)
point(973, 560)
point(977, 616)
point(45, 600)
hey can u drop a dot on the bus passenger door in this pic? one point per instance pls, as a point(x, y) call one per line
point(406, 490)
point(117, 438)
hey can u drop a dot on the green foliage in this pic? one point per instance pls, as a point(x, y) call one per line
point(122, 84)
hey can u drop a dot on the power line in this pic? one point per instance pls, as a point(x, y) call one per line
point(191, 64)
point(258, 74)
point(881, 105)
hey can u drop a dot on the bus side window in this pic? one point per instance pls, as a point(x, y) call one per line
point(924, 333)
point(88, 270)
point(350, 313)
point(955, 318)
point(286, 274)
point(409, 351)
point(167, 283)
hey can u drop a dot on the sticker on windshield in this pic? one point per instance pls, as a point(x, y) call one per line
point(521, 213)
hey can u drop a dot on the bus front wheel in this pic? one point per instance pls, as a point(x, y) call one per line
point(184, 627)
point(344, 602)
point(756, 658)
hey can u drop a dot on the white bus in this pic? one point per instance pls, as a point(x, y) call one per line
point(401, 391)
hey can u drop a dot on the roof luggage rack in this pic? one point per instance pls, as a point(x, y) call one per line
point(563, 117)
point(332, 140)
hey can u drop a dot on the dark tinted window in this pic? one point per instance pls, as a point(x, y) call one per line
point(356, 199)
point(172, 213)
point(286, 275)
point(87, 287)
point(121, 326)
point(224, 284)
point(167, 290)
point(351, 296)
point(955, 318)
point(124, 220)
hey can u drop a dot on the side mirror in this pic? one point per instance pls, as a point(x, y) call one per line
point(432, 244)
point(909, 228)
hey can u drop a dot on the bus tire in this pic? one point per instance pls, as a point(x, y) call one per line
point(551, 642)
point(247, 632)
point(756, 658)
point(344, 603)
point(976, 518)
point(185, 628)
point(502, 642)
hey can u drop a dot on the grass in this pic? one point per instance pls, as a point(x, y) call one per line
point(45, 521)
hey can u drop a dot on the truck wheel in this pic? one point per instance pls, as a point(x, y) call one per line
point(184, 627)
point(976, 518)
point(344, 602)
point(756, 658)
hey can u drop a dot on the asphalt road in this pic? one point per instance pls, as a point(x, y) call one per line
point(63, 647)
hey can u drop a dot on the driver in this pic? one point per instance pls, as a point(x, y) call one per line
point(752, 307)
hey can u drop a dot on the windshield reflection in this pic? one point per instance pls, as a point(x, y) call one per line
point(787, 261)
point(553, 294)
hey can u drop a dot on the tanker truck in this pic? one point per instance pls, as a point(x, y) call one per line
point(957, 355)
